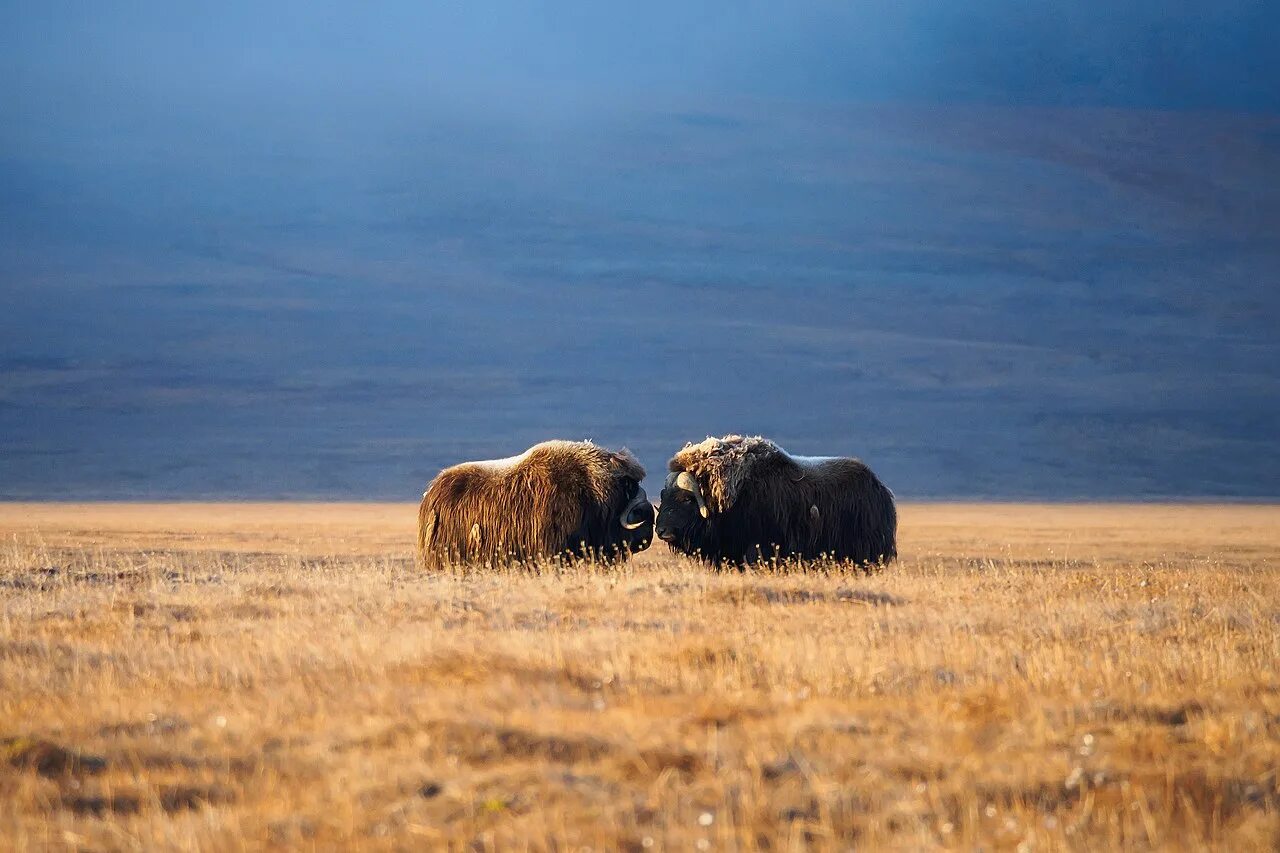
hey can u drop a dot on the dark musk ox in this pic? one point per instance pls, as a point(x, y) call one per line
point(743, 500)
point(557, 499)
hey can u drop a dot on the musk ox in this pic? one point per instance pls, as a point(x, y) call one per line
point(557, 499)
point(742, 500)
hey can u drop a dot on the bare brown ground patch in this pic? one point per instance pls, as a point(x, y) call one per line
point(229, 676)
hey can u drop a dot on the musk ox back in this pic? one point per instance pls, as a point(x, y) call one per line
point(742, 500)
point(557, 499)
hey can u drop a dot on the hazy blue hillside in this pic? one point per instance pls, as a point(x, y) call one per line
point(219, 281)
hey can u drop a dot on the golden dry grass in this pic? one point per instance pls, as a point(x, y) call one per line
point(1033, 677)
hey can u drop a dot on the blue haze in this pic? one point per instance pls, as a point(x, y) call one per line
point(998, 249)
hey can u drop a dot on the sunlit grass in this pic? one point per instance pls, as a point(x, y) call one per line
point(1043, 677)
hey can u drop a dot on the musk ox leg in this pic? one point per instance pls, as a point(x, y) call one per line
point(429, 529)
point(426, 531)
point(475, 538)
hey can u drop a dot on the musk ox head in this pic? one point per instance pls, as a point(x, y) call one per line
point(704, 481)
point(635, 520)
point(744, 499)
point(683, 514)
point(557, 499)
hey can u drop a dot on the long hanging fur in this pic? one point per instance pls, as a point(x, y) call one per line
point(764, 503)
point(556, 499)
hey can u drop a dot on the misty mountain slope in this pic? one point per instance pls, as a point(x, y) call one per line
point(979, 301)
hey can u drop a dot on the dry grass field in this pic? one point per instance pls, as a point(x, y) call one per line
point(1026, 677)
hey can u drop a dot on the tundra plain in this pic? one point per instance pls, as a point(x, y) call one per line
point(1029, 677)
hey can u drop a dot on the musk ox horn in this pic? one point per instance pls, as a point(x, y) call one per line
point(686, 481)
point(640, 499)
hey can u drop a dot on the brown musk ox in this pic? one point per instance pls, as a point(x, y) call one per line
point(557, 499)
point(742, 500)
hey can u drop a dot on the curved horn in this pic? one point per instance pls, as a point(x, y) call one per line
point(686, 481)
point(640, 499)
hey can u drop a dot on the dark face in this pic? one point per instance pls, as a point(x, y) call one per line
point(637, 520)
point(680, 518)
